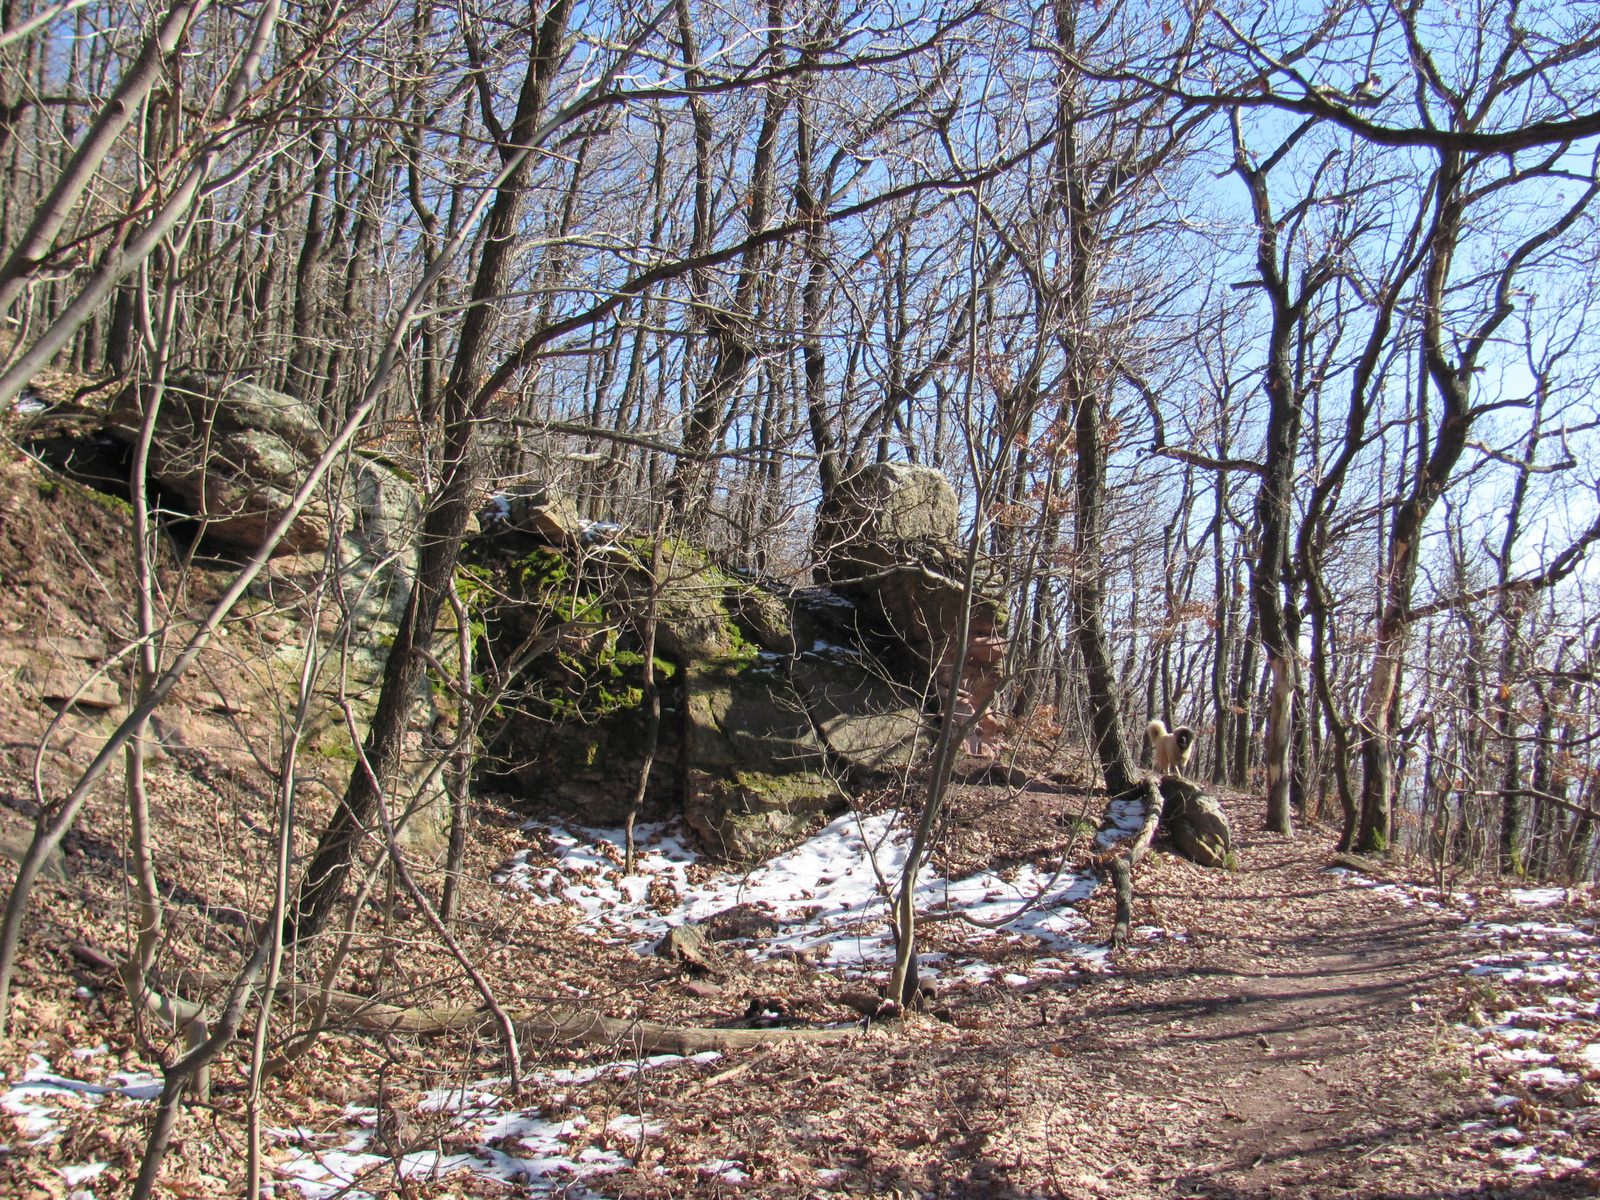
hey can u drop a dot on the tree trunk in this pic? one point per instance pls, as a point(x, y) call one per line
point(445, 522)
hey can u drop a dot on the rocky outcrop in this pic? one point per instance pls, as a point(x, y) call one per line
point(890, 542)
point(774, 700)
point(230, 456)
point(234, 453)
point(765, 717)
point(771, 741)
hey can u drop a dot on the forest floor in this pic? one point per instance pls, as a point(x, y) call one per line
point(1276, 1030)
point(1279, 1029)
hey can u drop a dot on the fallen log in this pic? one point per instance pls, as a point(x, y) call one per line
point(646, 1037)
point(557, 1024)
point(1195, 823)
point(1123, 854)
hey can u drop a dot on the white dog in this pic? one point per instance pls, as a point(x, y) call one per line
point(1171, 749)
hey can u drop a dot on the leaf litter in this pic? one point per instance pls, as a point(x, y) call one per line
point(1064, 1071)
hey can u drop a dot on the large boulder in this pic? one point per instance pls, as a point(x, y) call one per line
point(889, 511)
point(1195, 823)
point(235, 453)
point(763, 719)
point(537, 509)
point(889, 541)
point(770, 742)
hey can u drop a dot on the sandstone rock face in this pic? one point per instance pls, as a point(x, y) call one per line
point(232, 455)
point(543, 512)
point(236, 453)
point(893, 509)
point(763, 719)
point(891, 544)
point(64, 671)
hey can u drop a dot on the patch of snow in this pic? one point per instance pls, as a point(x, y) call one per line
point(41, 1094)
point(461, 1100)
point(1406, 894)
point(635, 1127)
point(593, 533)
point(544, 1162)
point(826, 895)
point(1550, 1077)
point(1525, 1054)
point(1546, 1034)
point(1538, 897)
point(730, 1169)
point(1127, 818)
point(498, 508)
point(817, 597)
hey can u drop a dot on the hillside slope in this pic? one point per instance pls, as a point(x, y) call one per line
point(1271, 1030)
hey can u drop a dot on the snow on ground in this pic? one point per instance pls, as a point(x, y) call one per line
point(826, 897)
point(1539, 1040)
point(1127, 818)
point(1533, 1022)
point(514, 1146)
point(41, 1098)
point(522, 1147)
point(40, 1094)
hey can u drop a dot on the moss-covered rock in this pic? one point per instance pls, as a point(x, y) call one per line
point(747, 816)
point(763, 721)
point(693, 620)
point(770, 741)
point(236, 453)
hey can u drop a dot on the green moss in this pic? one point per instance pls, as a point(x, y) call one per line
point(742, 650)
point(783, 792)
point(384, 460)
point(545, 578)
point(475, 586)
point(112, 504)
point(338, 747)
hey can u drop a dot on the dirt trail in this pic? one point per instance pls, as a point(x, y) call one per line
point(1291, 1048)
